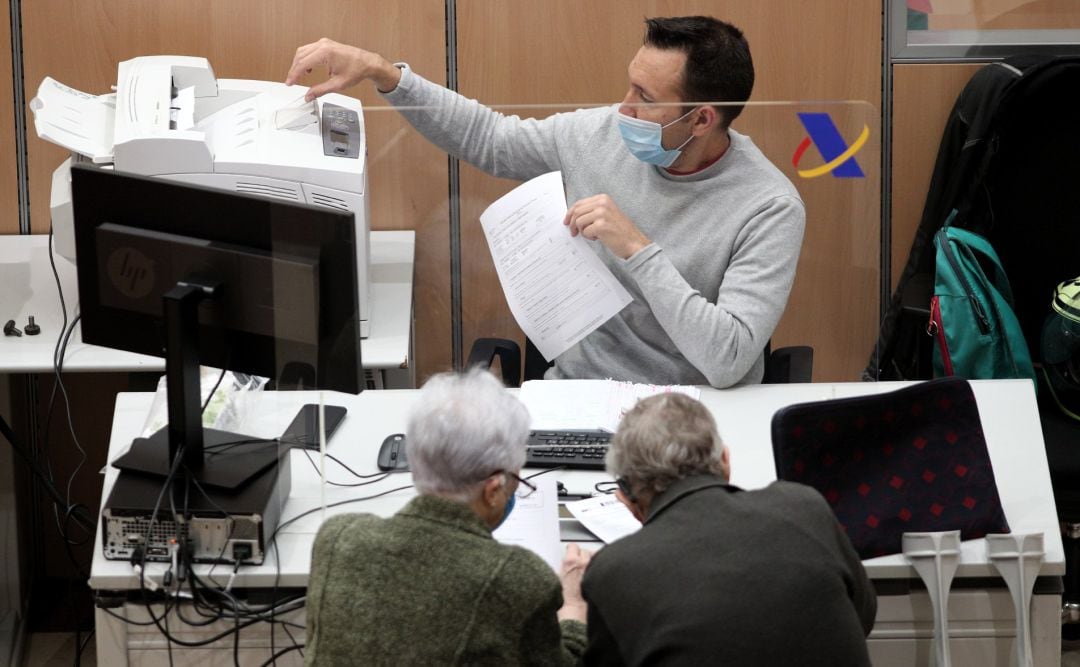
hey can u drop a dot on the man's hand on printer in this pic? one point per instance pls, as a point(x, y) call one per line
point(346, 66)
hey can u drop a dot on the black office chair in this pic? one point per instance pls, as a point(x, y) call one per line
point(783, 365)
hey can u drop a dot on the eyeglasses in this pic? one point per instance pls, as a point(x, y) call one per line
point(624, 486)
point(619, 484)
point(525, 487)
point(606, 487)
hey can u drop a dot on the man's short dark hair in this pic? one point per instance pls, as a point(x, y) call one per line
point(718, 63)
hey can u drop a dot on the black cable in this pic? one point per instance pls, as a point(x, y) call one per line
point(168, 637)
point(244, 617)
point(299, 647)
point(378, 477)
point(86, 522)
point(193, 644)
point(273, 658)
point(347, 501)
point(82, 647)
point(216, 385)
point(236, 636)
point(67, 409)
point(177, 460)
point(68, 543)
point(545, 471)
point(59, 352)
point(125, 619)
point(237, 609)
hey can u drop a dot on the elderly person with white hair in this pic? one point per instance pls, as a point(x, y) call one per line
point(430, 585)
point(717, 575)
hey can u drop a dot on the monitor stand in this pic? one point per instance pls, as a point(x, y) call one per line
point(215, 458)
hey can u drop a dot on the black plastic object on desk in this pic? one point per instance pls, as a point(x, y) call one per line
point(392, 453)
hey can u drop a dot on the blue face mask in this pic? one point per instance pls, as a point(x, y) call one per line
point(509, 508)
point(644, 139)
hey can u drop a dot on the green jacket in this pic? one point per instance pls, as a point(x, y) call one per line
point(431, 586)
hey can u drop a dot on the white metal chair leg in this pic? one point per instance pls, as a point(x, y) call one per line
point(935, 556)
point(1018, 559)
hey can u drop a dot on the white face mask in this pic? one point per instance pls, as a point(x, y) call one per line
point(644, 139)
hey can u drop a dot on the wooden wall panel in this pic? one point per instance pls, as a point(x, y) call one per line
point(923, 96)
point(80, 44)
point(9, 197)
point(553, 52)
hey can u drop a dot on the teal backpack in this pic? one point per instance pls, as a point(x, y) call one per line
point(971, 315)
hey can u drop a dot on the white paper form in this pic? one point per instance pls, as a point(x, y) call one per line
point(534, 523)
point(604, 516)
point(557, 288)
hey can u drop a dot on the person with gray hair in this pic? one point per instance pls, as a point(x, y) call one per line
point(430, 585)
point(718, 575)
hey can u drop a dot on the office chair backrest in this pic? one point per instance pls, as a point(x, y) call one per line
point(794, 363)
point(909, 460)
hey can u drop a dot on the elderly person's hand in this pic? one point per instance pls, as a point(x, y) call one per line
point(345, 65)
point(575, 560)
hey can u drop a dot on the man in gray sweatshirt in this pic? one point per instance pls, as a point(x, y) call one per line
point(689, 215)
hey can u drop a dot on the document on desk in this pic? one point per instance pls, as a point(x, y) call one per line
point(587, 404)
point(534, 523)
point(557, 288)
point(604, 516)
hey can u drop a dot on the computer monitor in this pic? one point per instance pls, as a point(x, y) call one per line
point(205, 276)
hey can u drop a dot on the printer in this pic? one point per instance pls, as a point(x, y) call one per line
point(171, 118)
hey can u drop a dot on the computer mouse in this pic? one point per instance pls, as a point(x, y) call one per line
point(392, 453)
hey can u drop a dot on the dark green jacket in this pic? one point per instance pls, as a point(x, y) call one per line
point(431, 586)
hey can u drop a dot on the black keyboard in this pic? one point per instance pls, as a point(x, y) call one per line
point(567, 449)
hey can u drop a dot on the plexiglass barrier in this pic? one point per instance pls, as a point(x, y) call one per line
point(828, 151)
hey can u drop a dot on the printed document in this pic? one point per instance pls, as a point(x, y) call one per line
point(605, 516)
point(534, 523)
point(587, 404)
point(557, 288)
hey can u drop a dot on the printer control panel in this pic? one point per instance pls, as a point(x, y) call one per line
point(340, 131)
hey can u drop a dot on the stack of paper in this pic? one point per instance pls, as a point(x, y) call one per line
point(587, 404)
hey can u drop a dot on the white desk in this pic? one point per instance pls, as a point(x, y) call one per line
point(29, 288)
point(981, 619)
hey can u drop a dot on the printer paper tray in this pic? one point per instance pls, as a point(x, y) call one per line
point(78, 121)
